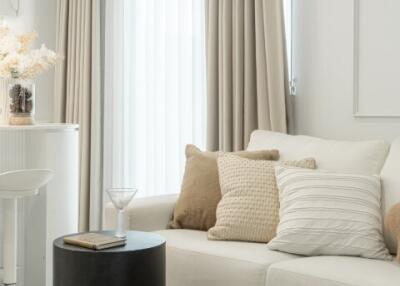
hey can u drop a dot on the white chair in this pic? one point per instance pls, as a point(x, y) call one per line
point(15, 185)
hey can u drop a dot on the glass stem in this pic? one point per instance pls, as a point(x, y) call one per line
point(121, 232)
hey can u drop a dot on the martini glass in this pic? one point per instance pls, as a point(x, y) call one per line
point(121, 197)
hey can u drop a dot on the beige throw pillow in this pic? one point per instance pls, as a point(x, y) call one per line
point(200, 194)
point(249, 208)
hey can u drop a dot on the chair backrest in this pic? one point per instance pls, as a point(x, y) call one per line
point(23, 180)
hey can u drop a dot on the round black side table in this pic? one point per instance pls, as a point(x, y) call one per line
point(141, 262)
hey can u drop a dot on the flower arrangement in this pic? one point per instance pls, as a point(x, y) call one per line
point(18, 61)
point(21, 64)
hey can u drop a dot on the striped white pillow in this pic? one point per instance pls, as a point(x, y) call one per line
point(325, 213)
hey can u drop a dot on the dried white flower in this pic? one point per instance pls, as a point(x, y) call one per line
point(16, 60)
point(26, 39)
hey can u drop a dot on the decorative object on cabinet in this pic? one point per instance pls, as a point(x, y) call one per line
point(21, 65)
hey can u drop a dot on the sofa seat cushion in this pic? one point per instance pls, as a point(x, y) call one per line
point(193, 260)
point(334, 271)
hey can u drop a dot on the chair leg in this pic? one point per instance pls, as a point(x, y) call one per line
point(10, 241)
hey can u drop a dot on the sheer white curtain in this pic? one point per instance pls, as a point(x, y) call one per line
point(154, 91)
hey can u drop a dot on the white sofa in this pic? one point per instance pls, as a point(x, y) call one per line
point(192, 260)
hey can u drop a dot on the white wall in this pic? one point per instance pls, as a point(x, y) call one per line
point(323, 65)
point(40, 16)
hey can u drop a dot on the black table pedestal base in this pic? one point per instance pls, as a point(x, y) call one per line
point(112, 267)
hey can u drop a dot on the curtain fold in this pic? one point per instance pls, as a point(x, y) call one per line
point(246, 71)
point(78, 96)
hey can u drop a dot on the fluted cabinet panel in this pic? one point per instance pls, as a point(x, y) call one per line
point(54, 212)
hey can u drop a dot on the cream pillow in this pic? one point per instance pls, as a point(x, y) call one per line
point(325, 213)
point(249, 207)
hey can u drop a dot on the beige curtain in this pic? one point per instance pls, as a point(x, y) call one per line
point(78, 96)
point(246, 74)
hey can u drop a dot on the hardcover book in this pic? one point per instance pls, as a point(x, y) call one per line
point(94, 241)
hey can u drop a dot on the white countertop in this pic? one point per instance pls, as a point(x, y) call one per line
point(40, 126)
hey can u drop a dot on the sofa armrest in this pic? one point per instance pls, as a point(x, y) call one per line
point(145, 214)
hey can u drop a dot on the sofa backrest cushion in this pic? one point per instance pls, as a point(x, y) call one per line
point(358, 157)
point(390, 177)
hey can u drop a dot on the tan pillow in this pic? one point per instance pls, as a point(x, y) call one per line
point(249, 208)
point(200, 194)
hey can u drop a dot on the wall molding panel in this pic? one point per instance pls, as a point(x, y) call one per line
point(376, 92)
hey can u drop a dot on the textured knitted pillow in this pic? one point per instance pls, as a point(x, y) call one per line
point(249, 207)
point(325, 213)
point(200, 194)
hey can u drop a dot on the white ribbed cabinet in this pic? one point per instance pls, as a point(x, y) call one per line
point(55, 211)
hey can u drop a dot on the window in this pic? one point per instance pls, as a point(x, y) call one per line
point(154, 91)
point(287, 5)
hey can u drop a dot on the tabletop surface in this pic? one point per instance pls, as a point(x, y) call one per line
point(136, 241)
point(40, 126)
